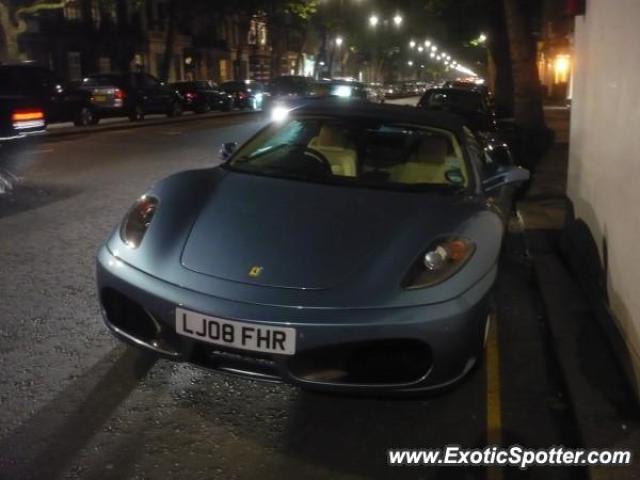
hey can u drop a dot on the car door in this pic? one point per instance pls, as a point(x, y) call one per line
point(164, 94)
point(149, 88)
point(499, 199)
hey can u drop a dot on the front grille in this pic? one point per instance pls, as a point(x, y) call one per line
point(258, 366)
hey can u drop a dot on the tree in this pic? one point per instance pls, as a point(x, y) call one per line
point(12, 24)
point(527, 94)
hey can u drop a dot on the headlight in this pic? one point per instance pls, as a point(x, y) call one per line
point(443, 258)
point(137, 221)
point(279, 113)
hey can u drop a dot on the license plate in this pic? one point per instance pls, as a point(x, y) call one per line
point(231, 333)
point(100, 98)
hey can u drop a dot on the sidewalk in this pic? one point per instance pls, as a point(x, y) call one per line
point(604, 406)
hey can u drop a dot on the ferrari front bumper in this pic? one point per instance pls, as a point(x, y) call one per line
point(403, 349)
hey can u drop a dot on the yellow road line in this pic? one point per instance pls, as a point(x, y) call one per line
point(494, 411)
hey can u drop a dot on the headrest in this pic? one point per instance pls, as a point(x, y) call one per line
point(330, 136)
point(432, 150)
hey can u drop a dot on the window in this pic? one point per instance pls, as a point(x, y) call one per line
point(96, 15)
point(104, 65)
point(147, 81)
point(74, 65)
point(72, 11)
point(362, 152)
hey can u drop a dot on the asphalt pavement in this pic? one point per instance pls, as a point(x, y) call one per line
point(78, 404)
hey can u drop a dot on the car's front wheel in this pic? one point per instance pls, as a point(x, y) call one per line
point(204, 108)
point(136, 114)
point(175, 110)
point(85, 117)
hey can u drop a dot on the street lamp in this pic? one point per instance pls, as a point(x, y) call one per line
point(434, 48)
point(482, 38)
point(397, 20)
point(410, 63)
point(420, 49)
point(432, 55)
point(338, 41)
point(412, 44)
point(427, 43)
point(373, 20)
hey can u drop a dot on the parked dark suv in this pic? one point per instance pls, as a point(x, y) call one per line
point(131, 94)
point(36, 92)
point(246, 94)
point(202, 96)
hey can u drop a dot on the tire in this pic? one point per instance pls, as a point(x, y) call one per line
point(137, 114)
point(204, 108)
point(85, 117)
point(175, 110)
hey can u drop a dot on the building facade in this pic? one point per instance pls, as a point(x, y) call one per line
point(93, 36)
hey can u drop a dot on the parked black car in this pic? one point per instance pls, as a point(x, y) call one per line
point(286, 88)
point(19, 116)
point(467, 103)
point(202, 96)
point(246, 94)
point(131, 94)
point(36, 88)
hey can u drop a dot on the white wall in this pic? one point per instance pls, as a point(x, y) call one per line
point(604, 156)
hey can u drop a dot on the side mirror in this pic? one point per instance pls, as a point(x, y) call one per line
point(498, 154)
point(226, 150)
point(506, 176)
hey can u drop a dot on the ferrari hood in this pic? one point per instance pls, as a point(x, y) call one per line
point(292, 234)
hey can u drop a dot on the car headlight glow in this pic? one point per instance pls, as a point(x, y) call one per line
point(442, 259)
point(137, 221)
point(279, 113)
point(343, 91)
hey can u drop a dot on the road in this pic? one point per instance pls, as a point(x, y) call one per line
point(78, 404)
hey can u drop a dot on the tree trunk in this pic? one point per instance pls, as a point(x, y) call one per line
point(9, 35)
point(500, 57)
point(527, 90)
point(170, 41)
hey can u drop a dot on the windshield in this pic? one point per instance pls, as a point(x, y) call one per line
point(356, 153)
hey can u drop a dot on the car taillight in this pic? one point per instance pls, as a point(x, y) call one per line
point(119, 94)
point(191, 95)
point(27, 118)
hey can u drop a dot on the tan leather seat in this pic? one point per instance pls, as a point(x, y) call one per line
point(332, 143)
point(426, 165)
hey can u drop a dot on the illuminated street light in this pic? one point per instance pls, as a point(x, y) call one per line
point(338, 41)
point(427, 43)
point(439, 57)
point(434, 48)
point(420, 49)
point(410, 63)
point(373, 20)
point(397, 20)
point(432, 55)
point(412, 44)
point(482, 38)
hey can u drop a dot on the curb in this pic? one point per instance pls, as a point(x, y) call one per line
point(126, 124)
point(596, 389)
